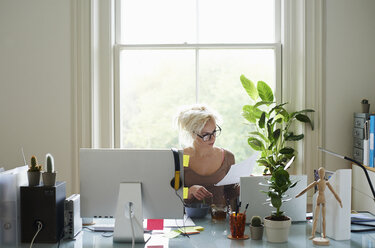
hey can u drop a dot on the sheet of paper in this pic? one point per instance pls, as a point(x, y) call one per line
point(242, 169)
point(361, 217)
point(178, 222)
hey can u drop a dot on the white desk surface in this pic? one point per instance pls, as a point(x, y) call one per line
point(215, 236)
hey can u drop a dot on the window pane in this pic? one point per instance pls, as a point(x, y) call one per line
point(158, 22)
point(153, 84)
point(236, 21)
point(220, 87)
point(177, 21)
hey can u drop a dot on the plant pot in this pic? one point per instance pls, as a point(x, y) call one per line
point(49, 178)
point(33, 177)
point(277, 231)
point(256, 232)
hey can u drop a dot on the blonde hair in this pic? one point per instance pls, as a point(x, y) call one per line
point(192, 119)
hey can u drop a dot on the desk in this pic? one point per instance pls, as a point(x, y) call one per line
point(214, 236)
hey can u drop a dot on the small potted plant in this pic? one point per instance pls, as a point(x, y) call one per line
point(49, 176)
point(277, 225)
point(256, 228)
point(33, 174)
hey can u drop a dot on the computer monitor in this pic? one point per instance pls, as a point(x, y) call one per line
point(103, 170)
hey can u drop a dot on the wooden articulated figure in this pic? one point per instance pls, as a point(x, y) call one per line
point(321, 201)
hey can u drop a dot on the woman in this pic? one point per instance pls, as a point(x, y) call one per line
point(208, 164)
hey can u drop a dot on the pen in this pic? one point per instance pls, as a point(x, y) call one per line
point(238, 208)
point(247, 205)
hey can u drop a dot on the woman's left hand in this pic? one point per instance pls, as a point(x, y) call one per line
point(199, 192)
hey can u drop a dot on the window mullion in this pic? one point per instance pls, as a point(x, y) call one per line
point(196, 75)
point(200, 46)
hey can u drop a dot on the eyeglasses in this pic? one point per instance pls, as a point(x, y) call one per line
point(208, 136)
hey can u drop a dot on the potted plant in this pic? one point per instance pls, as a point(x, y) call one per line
point(49, 176)
point(365, 106)
point(256, 228)
point(33, 174)
point(271, 136)
point(277, 225)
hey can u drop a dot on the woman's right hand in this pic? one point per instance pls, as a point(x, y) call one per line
point(199, 192)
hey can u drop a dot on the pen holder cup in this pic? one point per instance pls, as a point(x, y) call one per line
point(237, 224)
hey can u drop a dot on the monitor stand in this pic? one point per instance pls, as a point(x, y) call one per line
point(129, 217)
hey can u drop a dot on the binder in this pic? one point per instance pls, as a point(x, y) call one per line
point(372, 133)
point(366, 144)
point(10, 220)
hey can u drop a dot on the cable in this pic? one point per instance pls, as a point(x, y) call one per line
point(61, 236)
point(131, 222)
point(183, 217)
point(183, 203)
point(40, 226)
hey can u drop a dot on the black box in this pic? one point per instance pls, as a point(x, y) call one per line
point(44, 204)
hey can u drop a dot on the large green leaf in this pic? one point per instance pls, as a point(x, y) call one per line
point(270, 131)
point(249, 87)
point(294, 137)
point(276, 134)
point(264, 162)
point(281, 177)
point(306, 111)
point(262, 120)
point(304, 118)
point(276, 201)
point(255, 144)
point(265, 91)
point(260, 135)
point(279, 118)
point(257, 112)
point(287, 150)
point(248, 113)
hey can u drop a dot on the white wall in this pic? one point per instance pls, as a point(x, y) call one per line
point(349, 71)
point(36, 89)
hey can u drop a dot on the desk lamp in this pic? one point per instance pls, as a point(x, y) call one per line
point(368, 180)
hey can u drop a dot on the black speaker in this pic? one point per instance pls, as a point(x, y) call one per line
point(44, 204)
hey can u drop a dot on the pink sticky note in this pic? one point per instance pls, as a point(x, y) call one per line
point(155, 224)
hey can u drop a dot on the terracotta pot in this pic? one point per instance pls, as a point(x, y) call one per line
point(256, 232)
point(33, 177)
point(277, 231)
point(49, 178)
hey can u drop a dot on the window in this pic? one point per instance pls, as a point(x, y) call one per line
point(179, 52)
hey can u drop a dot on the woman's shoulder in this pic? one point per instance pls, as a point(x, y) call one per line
point(228, 157)
point(227, 153)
